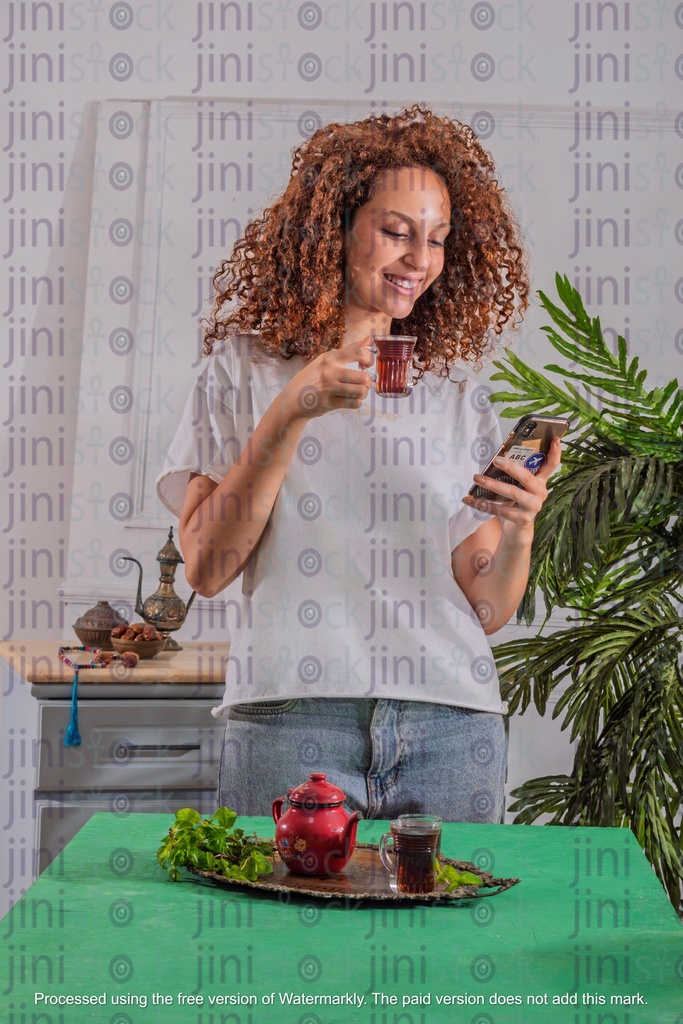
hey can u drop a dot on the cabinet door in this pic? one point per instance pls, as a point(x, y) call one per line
point(130, 745)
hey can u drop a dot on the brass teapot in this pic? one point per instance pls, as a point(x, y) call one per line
point(164, 609)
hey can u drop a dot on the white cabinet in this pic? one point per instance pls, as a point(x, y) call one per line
point(136, 755)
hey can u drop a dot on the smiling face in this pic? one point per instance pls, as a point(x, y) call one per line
point(395, 248)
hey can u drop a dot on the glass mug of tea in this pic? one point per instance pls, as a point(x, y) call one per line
point(394, 365)
point(411, 859)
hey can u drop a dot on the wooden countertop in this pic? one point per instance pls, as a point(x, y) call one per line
point(38, 662)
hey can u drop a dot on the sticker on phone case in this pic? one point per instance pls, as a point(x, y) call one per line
point(534, 462)
point(531, 461)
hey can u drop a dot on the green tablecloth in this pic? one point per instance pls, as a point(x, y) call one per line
point(589, 922)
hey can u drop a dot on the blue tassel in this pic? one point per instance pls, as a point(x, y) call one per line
point(72, 737)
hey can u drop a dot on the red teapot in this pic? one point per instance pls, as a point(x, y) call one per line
point(315, 835)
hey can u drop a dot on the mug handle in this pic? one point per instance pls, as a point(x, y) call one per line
point(384, 855)
point(372, 369)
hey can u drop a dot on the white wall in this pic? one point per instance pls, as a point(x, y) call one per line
point(580, 104)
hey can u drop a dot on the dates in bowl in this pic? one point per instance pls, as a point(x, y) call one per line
point(140, 637)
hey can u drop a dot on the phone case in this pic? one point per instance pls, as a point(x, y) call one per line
point(528, 443)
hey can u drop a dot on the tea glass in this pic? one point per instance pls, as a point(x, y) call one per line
point(415, 841)
point(429, 820)
point(394, 365)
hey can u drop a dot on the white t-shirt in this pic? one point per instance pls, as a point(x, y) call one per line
point(350, 592)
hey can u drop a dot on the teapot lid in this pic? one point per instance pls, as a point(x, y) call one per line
point(169, 552)
point(317, 792)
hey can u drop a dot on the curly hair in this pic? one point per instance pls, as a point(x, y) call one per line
point(288, 270)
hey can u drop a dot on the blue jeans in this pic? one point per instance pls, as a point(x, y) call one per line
point(390, 757)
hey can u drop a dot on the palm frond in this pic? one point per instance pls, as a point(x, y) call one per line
point(608, 547)
point(639, 751)
point(602, 487)
point(647, 422)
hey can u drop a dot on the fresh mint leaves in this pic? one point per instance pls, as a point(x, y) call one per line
point(213, 844)
point(454, 878)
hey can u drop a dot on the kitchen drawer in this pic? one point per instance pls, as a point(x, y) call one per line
point(131, 745)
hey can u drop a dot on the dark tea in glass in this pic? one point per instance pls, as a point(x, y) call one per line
point(394, 365)
point(411, 857)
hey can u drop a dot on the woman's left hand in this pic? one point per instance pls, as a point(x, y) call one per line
point(517, 518)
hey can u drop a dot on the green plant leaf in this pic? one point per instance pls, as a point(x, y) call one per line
point(608, 548)
point(454, 878)
point(225, 818)
point(188, 816)
point(213, 844)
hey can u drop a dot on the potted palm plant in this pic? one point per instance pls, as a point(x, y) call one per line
point(608, 549)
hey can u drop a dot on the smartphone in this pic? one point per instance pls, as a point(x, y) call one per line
point(528, 443)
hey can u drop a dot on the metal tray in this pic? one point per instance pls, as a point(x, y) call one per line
point(363, 878)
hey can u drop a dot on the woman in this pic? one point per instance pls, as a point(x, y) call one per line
point(369, 580)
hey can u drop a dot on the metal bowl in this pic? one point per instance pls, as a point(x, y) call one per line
point(143, 648)
point(94, 627)
point(92, 637)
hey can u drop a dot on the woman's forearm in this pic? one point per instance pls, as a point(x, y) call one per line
point(498, 588)
point(222, 524)
point(491, 567)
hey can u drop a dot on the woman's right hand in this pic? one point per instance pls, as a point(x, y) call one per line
point(328, 382)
